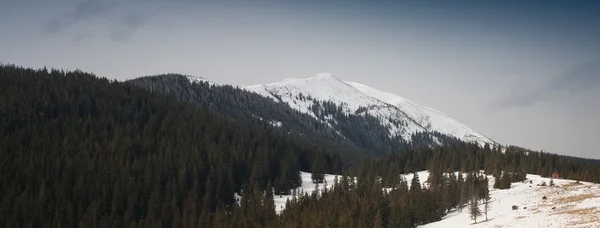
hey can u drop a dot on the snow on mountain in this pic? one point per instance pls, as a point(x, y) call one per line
point(399, 115)
point(196, 79)
point(430, 119)
point(301, 93)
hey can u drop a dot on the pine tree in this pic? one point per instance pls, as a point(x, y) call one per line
point(378, 220)
point(408, 166)
point(452, 191)
point(505, 181)
point(462, 192)
point(497, 180)
point(269, 204)
point(474, 210)
point(318, 169)
point(415, 184)
point(486, 206)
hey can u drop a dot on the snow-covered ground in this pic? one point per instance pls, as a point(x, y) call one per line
point(576, 204)
point(307, 187)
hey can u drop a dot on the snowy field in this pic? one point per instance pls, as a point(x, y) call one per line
point(307, 186)
point(575, 204)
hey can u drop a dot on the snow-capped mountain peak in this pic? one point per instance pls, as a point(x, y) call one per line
point(400, 116)
point(322, 87)
point(324, 75)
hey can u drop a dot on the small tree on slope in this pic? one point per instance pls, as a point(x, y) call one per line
point(474, 209)
point(486, 206)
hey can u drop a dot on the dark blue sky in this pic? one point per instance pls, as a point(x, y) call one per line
point(520, 72)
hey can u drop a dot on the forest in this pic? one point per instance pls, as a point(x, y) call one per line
point(77, 150)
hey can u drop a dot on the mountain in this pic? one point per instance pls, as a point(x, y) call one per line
point(248, 107)
point(326, 124)
point(91, 152)
point(399, 116)
point(345, 117)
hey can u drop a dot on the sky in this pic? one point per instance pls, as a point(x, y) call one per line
point(524, 73)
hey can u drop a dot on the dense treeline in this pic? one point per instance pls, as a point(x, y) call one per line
point(457, 180)
point(466, 157)
point(353, 134)
point(365, 203)
point(77, 150)
point(80, 151)
point(365, 130)
point(249, 107)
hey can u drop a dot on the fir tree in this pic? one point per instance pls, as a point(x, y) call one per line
point(474, 210)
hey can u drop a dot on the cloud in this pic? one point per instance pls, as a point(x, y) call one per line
point(128, 26)
point(582, 77)
point(83, 11)
point(122, 17)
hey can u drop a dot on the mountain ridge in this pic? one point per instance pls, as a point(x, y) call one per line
point(356, 98)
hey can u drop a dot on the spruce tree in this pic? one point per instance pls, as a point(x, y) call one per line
point(415, 184)
point(318, 171)
point(474, 210)
point(486, 206)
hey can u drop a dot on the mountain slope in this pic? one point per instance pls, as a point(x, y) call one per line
point(301, 94)
point(428, 118)
point(245, 106)
point(82, 151)
point(402, 118)
point(576, 204)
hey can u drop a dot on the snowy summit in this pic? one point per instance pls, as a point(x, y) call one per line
point(399, 115)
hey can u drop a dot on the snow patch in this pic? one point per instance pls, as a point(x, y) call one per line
point(196, 79)
point(275, 123)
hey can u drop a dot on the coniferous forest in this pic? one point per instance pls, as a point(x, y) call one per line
point(77, 150)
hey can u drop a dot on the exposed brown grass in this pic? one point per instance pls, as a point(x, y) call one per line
point(574, 198)
point(586, 217)
point(571, 184)
point(580, 211)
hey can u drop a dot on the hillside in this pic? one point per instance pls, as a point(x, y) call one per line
point(398, 116)
point(569, 203)
point(81, 151)
point(323, 110)
point(353, 136)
